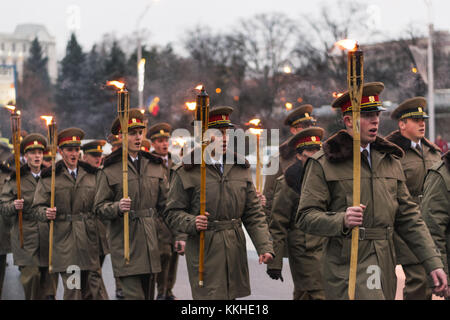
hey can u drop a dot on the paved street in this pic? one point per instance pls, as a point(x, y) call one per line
point(262, 286)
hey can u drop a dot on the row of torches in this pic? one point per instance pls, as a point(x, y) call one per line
point(354, 54)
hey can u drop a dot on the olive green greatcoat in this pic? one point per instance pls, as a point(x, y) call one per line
point(286, 158)
point(35, 233)
point(5, 224)
point(415, 166)
point(147, 191)
point(165, 236)
point(436, 206)
point(75, 234)
point(231, 201)
point(304, 250)
point(326, 193)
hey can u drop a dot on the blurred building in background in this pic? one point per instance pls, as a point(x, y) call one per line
point(15, 47)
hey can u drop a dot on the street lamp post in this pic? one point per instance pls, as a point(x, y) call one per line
point(139, 64)
point(432, 128)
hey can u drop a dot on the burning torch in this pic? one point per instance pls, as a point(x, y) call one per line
point(202, 115)
point(51, 124)
point(123, 103)
point(257, 130)
point(15, 130)
point(355, 81)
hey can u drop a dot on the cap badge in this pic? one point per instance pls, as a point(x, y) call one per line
point(306, 114)
point(133, 120)
point(420, 109)
point(35, 142)
point(224, 117)
point(74, 138)
point(371, 98)
point(161, 131)
point(313, 138)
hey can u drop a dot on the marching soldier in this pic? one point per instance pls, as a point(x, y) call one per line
point(75, 235)
point(436, 206)
point(116, 143)
point(93, 155)
point(5, 244)
point(304, 250)
point(325, 207)
point(420, 155)
point(170, 246)
point(147, 187)
point(231, 201)
point(32, 259)
point(299, 119)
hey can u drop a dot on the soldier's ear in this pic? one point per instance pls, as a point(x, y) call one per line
point(347, 119)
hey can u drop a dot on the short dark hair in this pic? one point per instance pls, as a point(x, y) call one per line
point(310, 148)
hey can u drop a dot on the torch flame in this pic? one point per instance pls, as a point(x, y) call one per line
point(347, 44)
point(199, 87)
point(255, 122)
point(288, 106)
point(117, 84)
point(191, 105)
point(179, 141)
point(255, 131)
point(9, 107)
point(337, 94)
point(48, 119)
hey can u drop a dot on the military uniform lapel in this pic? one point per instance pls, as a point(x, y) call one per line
point(376, 158)
point(81, 173)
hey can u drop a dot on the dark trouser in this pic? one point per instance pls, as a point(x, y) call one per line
point(76, 293)
point(163, 276)
point(37, 282)
point(97, 289)
point(309, 295)
point(136, 287)
point(416, 284)
point(172, 276)
point(2, 272)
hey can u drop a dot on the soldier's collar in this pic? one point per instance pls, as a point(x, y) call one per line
point(339, 147)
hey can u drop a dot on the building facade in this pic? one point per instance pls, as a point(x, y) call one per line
point(15, 47)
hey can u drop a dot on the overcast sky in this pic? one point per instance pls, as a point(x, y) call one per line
point(168, 19)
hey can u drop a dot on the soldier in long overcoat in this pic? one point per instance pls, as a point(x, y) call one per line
point(420, 155)
point(326, 208)
point(75, 245)
point(231, 202)
point(304, 250)
point(435, 206)
point(147, 191)
point(32, 259)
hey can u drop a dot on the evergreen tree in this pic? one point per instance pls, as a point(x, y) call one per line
point(115, 64)
point(35, 92)
point(71, 86)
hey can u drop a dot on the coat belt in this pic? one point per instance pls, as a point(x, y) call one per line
point(75, 217)
point(375, 233)
point(217, 225)
point(134, 214)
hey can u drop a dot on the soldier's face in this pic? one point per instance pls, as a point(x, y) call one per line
point(46, 163)
point(94, 161)
point(413, 129)
point(369, 123)
point(70, 156)
point(161, 146)
point(34, 158)
point(306, 154)
point(135, 137)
